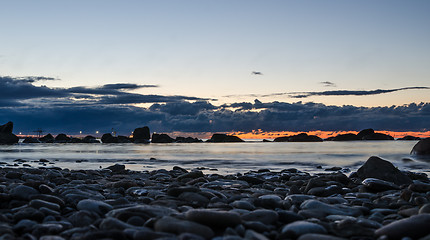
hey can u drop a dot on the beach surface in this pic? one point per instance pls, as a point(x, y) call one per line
point(118, 203)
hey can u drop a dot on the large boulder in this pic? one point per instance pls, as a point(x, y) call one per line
point(6, 135)
point(31, 140)
point(161, 138)
point(62, 138)
point(422, 147)
point(378, 136)
point(345, 137)
point(409, 138)
point(218, 137)
point(90, 139)
point(187, 140)
point(141, 135)
point(364, 133)
point(48, 138)
point(301, 137)
point(376, 167)
point(108, 138)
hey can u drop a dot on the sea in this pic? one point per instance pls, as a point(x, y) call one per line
point(220, 158)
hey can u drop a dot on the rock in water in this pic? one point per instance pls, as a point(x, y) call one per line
point(364, 133)
point(48, 138)
point(108, 138)
point(62, 138)
point(31, 140)
point(378, 136)
point(422, 147)
point(376, 167)
point(413, 227)
point(218, 137)
point(6, 135)
point(161, 138)
point(90, 139)
point(141, 135)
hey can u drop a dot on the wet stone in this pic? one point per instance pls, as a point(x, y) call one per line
point(177, 226)
point(296, 229)
point(23, 192)
point(213, 218)
point(95, 206)
point(261, 215)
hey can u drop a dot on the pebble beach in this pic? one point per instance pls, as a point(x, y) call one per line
point(378, 201)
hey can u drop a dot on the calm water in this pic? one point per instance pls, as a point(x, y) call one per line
point(224, 157)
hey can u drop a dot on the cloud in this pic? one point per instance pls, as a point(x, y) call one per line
point(332, 93)
point(328, 84)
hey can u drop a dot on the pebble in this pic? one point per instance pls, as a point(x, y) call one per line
point(95, 206)
point(413, 227)
point(298, 228)
point(177, 226)
point(213, 218)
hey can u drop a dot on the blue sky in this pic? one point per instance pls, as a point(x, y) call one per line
point(206, 50)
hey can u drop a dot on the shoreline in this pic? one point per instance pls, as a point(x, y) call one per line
point(117, 203)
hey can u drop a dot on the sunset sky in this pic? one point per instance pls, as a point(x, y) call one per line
point(187, 65)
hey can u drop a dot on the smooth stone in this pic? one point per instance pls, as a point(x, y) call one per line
point(193, 198)
point(288, 216)
point(143, 211)
point(213, 218)
point(378, 185)
point(252, 235)
point(49, 198)
point(270, 201)
point(111, 223)
point(422, 147)
point(116, 168)
point(328, 209)
point(98, 207)
point(316, 236)
point(424, 208)
point(419, 187)
point(24, 225)
point(177, 226)
point(297, 199)
point(47, 229)
point(376, 167)
point(413, 227)
point(299, 228)
point(242, 204)
point(37, 203)
point(51, 237)
point(262, 215)
point(28, 213)
point(23, 192)
point(257, 226)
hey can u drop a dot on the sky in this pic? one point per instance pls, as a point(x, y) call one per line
point(68, 66)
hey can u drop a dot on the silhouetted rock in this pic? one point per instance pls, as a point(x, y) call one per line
point(48, 138)
point(187, 140)
point(108, 138)
point(378, 136)
point(422, 147)
point(90, 139)
point(123, 139)
point(281, 139)
point(409, 138)
point(376, 167)
point(365, 132)
point(265, 140)
point(345, 137)
point(62, 138)
point(31, 140)
point(161, 138)
point(6, 135)
point(75, 140)
point(141, 135)
point(301, 137)
point(218, 137)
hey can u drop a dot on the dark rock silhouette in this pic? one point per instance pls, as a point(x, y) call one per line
point(75, 140)
point(376, 167)
point(62, 138)
point(161, 138)
point(48, 138)
point(187, 140)
point(90, 139)
point(218, 137)
point(345, 137)
point(6, 135)
point(108, 138)
point(409, 138)
point(422, 147)
point(302, 137)
point(31, 140)
point(123, 139)
point(377, 136)
point(141, 135)
point(364, 133)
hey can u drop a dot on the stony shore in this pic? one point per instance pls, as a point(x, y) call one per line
point(116, 203)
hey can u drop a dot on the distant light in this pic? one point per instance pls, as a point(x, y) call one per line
point(20, 133)
point(80, 132)
point(97, 132)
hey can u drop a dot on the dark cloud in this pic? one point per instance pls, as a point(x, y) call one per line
point(328, 84)
point(332, 93)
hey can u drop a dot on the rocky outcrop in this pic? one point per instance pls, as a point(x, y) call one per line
point(48, 138)
point(344, 137)
point(187, 140)
point(6, 135)
point(302, 137)
point(364, 133)
point(161, 138)
point(90, 139)
point(218, 137)
point(378, 136)
point(409, 138)
point(141, 135)
point(31, 140)
point(62, 138)
point(378, 168)
point(108, 138)
point(422, 147)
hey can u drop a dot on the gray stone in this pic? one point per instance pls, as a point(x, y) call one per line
point(177, 226)
point(98, 207)
point(143, 211)
point(376, 167)
point(414, 227)
point(299, 228)
point(23, 192)
point(51, 237)
point(37, 203)
point(213, 218)
point(422, 147)
point(262, 215)
point(110, 223)
point(24, 225)
point(377, 185)
point(317, 236)
point(252, 235)
point(242, 204)
point(82, 218)
point(424, 209)
point(328, 209)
